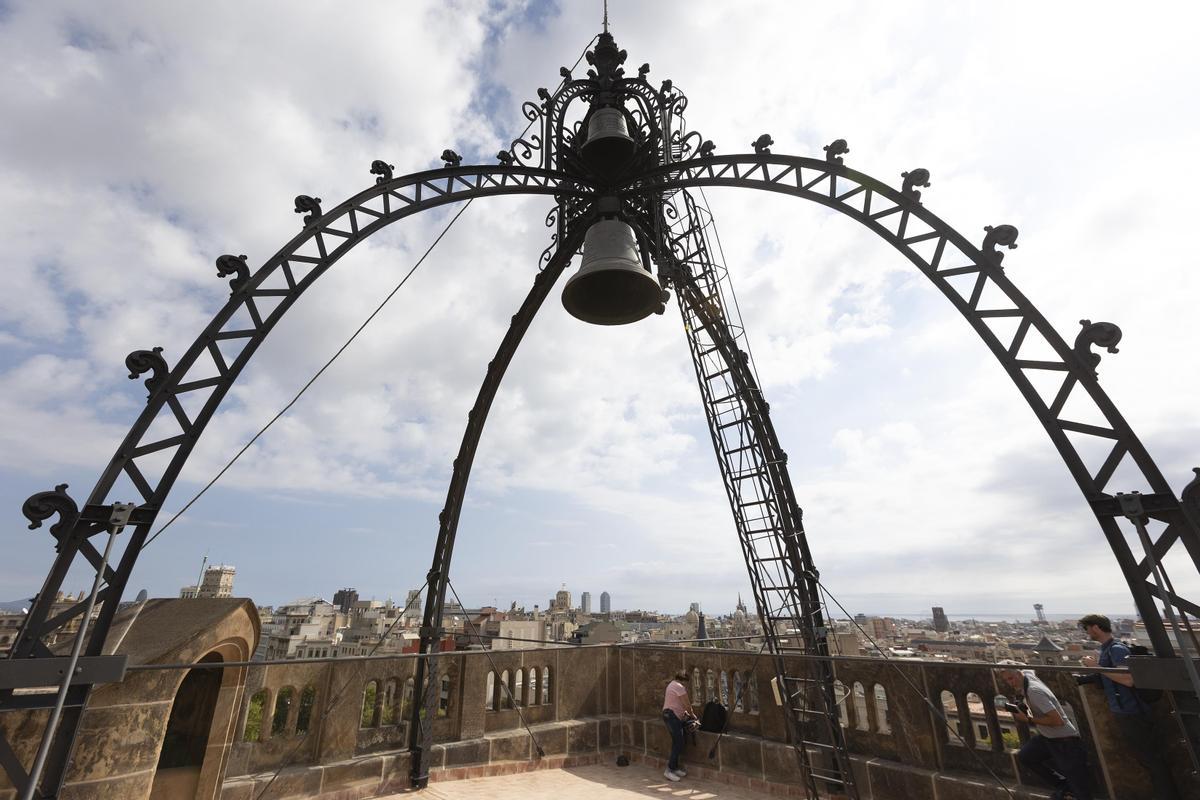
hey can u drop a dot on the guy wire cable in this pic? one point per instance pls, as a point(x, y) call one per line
point(937, 712)
point(488, 652)
point(336, 698)
point(737, 698)
point(341, 349)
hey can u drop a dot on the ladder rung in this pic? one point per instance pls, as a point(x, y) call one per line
point(738, 421)
point(716, 375)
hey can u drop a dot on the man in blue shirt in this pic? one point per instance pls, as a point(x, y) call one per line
point(1129, 711)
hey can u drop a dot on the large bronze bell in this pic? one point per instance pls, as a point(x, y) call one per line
point(609, 145)
point(611, 287)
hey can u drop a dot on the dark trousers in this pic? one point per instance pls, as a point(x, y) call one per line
point(675, 726)
point(1138, 732)
point(1060, 762)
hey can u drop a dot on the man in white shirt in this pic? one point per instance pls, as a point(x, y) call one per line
point(1055, 752)
point(677, 710)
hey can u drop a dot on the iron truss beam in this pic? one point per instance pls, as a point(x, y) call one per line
point(766, 513)
point(420, 739)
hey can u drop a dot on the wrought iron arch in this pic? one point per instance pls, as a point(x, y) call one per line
point(898, 217)
point(241, 325)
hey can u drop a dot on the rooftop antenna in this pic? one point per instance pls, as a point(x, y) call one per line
point(200, 580)
point(606, 16)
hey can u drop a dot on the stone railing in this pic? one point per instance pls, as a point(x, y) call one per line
point(609, 698)
point(338, 728)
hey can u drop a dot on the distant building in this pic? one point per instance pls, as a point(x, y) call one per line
point(562, 599)
point(344, 599)
point(694, 607)
point(597, 633)
point(605, 603)
point(526, 632)
point(940, 623)
point(1047, 652)
point(412, 607)
point(1041, 614)
point(585, 602)
point(216, 582)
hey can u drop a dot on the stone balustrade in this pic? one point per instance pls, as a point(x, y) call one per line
point(339, 727)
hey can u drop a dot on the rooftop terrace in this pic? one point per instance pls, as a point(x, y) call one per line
point(189, 722)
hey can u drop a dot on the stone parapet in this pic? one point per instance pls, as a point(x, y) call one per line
point(339, 728)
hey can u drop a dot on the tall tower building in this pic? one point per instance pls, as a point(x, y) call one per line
point(605, 603)
point(585, 602)
point(1041, 614)
point(216, 581)
point(940, 623)
point(344, 598)
point(562, 599)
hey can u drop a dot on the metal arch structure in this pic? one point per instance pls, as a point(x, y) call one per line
point(942, 253)
point(182, 401)
point(644, 191)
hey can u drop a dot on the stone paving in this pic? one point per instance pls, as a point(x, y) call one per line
point(605, 782)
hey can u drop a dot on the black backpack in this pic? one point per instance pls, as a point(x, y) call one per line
point(1145, 695)
point(713, 718)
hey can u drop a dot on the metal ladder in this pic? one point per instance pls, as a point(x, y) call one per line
point(768, 519)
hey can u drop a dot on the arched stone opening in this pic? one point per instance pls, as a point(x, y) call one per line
point(185, 742)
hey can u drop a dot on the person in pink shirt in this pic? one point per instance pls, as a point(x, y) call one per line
point(676, 712)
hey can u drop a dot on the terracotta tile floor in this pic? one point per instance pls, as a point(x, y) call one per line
point(605, 782)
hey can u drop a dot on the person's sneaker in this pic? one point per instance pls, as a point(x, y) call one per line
point(671, 776)
point(681, 772)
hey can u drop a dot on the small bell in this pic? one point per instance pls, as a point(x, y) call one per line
point(611, 287)
point(608, 144)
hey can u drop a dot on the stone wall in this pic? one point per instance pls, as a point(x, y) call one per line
point(602, 701)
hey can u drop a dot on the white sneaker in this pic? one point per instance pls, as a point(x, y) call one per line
point(671, 776)
point(681, 772)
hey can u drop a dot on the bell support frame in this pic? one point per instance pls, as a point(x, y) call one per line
point(549, 162)
point(420, 738)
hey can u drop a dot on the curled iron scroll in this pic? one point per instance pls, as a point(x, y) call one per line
point(1100, 334)
point(43, 505)
point(140, 362)
point(310, 204)
point(236, 266)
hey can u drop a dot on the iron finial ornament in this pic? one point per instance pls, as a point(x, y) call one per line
point(762, 145)
point(505, 158)
point(451, 158)
point(1191, 494)
point(706, 148)
point(913, 179)
point(607, 58)
point(236, 266)
point(42, 506)
point(999, 236)
point(382, 169)
point(644, 70)
point(835, 150)
point(139, 362)
point(565, 74)
point(1100, 334)
point(310, 204)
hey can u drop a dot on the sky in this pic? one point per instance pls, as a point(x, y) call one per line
point(142, 140)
